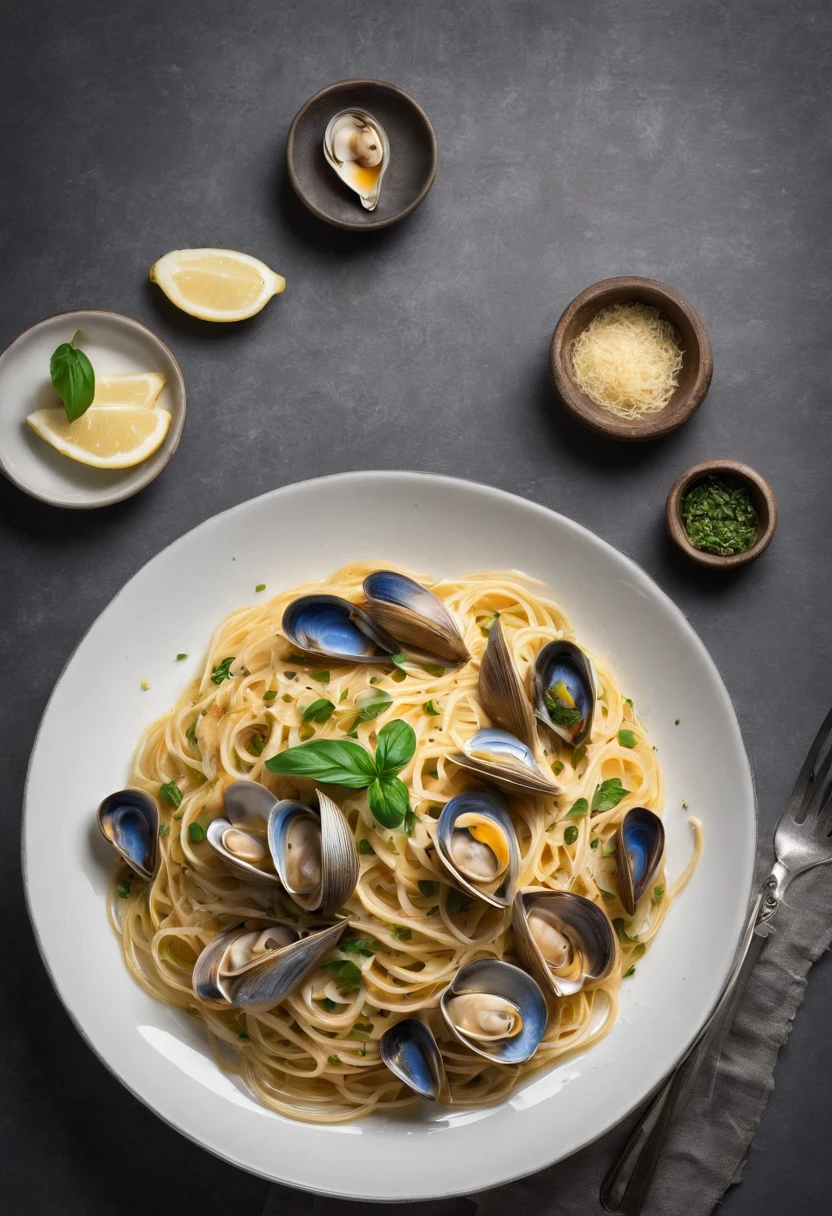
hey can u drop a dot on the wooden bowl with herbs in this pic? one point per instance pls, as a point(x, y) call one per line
point(722, 513)
point(631, 358)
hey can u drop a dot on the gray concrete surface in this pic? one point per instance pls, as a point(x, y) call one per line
point(689, 142)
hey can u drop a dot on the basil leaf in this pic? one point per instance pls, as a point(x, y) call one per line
point(348, 974)
point(73, 378)
point(410, 821)
point(330, 761)
point(395, 747)
point(372, 702)
point(608, 795)
point(578, 809)
point(389, 801)
point(318, 711)
point(359, 945)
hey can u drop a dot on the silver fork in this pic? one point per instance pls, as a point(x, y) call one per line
point(802, 840)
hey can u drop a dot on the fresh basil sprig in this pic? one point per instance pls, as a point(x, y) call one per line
point(341, 762)
point(72, 377)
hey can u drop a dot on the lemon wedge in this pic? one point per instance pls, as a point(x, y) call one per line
point(216, 284)
point(107, 437)
point(128, 388)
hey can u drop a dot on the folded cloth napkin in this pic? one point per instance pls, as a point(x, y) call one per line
point(708, 1142)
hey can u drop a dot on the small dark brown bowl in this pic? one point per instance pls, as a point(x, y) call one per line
point(697, 360)
point(762, 496)
point(413, 155)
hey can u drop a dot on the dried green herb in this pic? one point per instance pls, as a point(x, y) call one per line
point(719, 516)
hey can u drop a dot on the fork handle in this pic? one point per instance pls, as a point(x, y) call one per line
point(627, 1182)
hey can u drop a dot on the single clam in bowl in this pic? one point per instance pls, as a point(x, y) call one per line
point(437, 525)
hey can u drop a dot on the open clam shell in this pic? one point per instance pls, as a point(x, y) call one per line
point(564, 939)
point(129, 819)
point(411, 1053)
point(477, 845)
point(499, 756)
point(314, 853)
point(334, 628)
point(415, 617)
point(358, 150)
point(564, 691)
point(240, 836)
point(501, 691)
point(639, 852)
point(496, 1010)
point(257, 969)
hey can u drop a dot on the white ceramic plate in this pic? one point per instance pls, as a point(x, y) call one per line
point(441, 526)
point(114, 344)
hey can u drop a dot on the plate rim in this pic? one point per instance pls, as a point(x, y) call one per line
point(173, 437)
point(422, 477)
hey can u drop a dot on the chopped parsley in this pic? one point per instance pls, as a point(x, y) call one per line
point(290, 675)
point(256, 744)
point(428, 888)
point(359, 945)
point(260, 587)
point(322, 677)
point(190, 735)
point(362, 1030)
point(457, 902)
point(196, 832)
point(402, 934)
point(244, 1038)
point(578, 809)
point(222, 671)
point(430, 709)
point(570, 835)
point(180, 657)
point(347, 974)
point(658, 893)
point(123, 888)
point(170, 792)
point(270, 695)
point(627, 738)
point(327, 1005)
point(608, 795)
point(433, 669)
point(557, 767)
point(333, 1060)
point(629, 972)
point(432, 911)
point(365, 847)
point(719, 516)
point(164, 828)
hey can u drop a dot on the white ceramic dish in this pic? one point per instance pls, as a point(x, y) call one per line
point(114, 344)
point(442, 526)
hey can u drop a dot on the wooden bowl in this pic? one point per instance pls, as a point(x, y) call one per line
point(697, 360)
point(762, 496)
point(413, 155)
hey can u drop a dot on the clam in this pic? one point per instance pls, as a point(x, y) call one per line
point(333, 627)
point(129, 819)
point(499, 756)
point(477, 844)
point(257, 968)
point(496, 1010)
point(240, 836)
point(501, 691)
point(314, 853)
point(415, 617)
point(410, 1052)
point(564, 939)
point(639, 852)
point(357, 148)
point(564, 691)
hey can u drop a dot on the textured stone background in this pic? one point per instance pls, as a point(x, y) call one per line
point(687, 142)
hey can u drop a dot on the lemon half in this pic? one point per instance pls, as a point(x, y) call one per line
point(216, 284)
point(107, 437)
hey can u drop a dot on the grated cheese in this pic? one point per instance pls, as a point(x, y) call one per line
point(628, 360)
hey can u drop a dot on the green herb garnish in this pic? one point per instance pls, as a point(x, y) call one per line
point(608, 795)
point(570, 835)
point(359, 945)
point(557, 767)
point(623, 936)
point(658, 893)
point(593, 844)
point(244, 1038)
point(433, 669)
point(256, 744)
point(398, 660)
point(260, 587)
point(333, 1060)
point(73, 378)
point(319, 711)
point(123, 888)
point(180, 657)
point(190, 735)
point(578, 809)
point(222, 671)
point(339, 762)
point(432, 911)
point(270, 695)
point(719, 516)
point(322, 677)
point(562, 715)
point(457, 902)
point(347, 974)
point(410, 821)
point(327, 1004)
point(371, 703)
point(430, 709)
point(196, 832)
point(627, 738)
point(365, 847)
point(343, 696)
point(402, 934)
point(428, 888)
point(362, 1030)
point(628, 973)
point(170, 792)
point(164, 828)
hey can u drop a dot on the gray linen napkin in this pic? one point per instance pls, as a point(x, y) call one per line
point(708, 1143)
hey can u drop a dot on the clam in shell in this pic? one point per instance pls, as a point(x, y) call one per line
point(239, 837)
point(496, 1010)
point(411, 1053)
point(314, 853)
point(477, 845)
point(564, 939)
point(357, 149)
